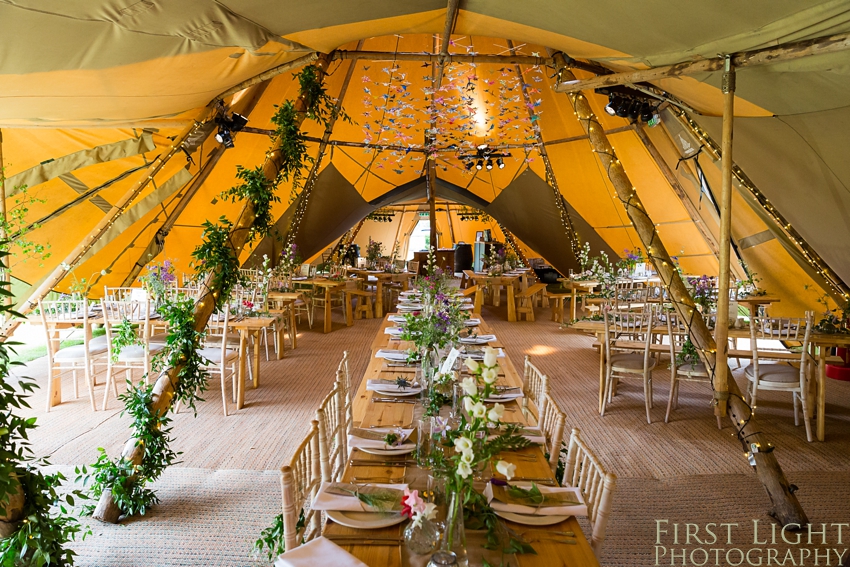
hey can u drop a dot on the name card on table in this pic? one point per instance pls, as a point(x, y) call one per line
point(449, 363)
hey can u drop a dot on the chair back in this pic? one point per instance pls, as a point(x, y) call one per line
point(631, 298)
point(66, 311)
point(343, 373)
point(300, 481)
point(399, 264)
point(116, 312)
point(585, 472)
point(628, 325)
point(553, 421)
point(124, 293)
point(771, 336)
point(413, 266)
point(331, 444)
point(217, 329)
point(535, 387)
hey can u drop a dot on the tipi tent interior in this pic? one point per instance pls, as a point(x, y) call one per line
point(707, 139)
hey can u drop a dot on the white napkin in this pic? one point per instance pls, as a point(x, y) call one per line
point(397, 355)
point(575, 510)
point(480, 355)
point(394, 331)
point(397, 318)
point(378, 386)
point(478, 339)
point(504, 396)
point(320, 551)
point(360, 443)
point(466, 307)
point(344, 503)
point(472, 322)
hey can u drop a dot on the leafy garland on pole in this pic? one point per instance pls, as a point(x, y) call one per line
point(35, 523)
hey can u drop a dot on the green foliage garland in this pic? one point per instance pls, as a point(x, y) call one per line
point(214, 254)
point(124, 335)
point(46, 527)
point(260, 191)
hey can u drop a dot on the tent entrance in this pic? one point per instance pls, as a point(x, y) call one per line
point(420, 238)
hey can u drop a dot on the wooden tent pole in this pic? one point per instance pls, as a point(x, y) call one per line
point(721, 333)
point(102, 227)
point(766, 56)
point(153, 248)
point(4, 266)
point(786, 508)
point(163, 392)
point(552, 181)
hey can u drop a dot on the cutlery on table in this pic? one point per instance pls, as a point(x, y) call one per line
point(370, 463)
point(569, 534)
point(392, 401)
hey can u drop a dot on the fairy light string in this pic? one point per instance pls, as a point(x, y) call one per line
point(677, 295)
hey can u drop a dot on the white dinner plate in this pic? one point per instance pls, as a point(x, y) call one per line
point(528, 520)
point(366, 520)
point(387, 452)
point(398, 394)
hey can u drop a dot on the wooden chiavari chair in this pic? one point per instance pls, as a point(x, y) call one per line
point(553, 421)
point(331, 443)
point(57, 314)
point(628, 337)
point(597, 486)
point(535, 387)
point(300, 482)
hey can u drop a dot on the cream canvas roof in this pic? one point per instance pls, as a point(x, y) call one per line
point(91, 93)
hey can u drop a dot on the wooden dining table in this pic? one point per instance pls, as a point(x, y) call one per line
point(329, 286)
point(531, 463)
point(252, 327)
point(495, 283)
point(820, 344)
point(381, 278)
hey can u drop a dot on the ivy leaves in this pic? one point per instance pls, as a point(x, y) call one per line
point(259, 190)
point(214, 254)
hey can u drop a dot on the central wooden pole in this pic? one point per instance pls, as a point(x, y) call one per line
point(786, 508)
point(721, 333)
point(4, 266)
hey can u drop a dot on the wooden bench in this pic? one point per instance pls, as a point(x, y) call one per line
point(560, 301)
point(525, 301)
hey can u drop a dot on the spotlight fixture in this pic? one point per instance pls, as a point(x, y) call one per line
point(614, 103)
point(627, 102)
point(634, 109)
point(646, 112)
point(623, 110)
point(227, 125)
point(484, 154)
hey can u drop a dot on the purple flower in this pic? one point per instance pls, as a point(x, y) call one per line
point(498, 482)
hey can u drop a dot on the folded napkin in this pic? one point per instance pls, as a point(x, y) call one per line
point(478, 354)
point(320, 551)
point(394, 331)
point(391, 386)
point(533, 434)
point(478, 339)
point(331, 497)
point(504, 396)
point(466, 307)
point(558, 501)
point(387, 354)
point(374, 439)
point(472, 322)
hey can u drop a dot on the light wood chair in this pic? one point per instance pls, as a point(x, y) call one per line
point(535, 387)
point(343, 368)
point(134, 357)
point(300, 481)
point(553, 421)
point(223, 361)
point(331, 443)
point(597, 486)
point(779, 375)
point(54, 316)
point(632, 357)
point(688, 372)
point(124, 293)
point(413, 267)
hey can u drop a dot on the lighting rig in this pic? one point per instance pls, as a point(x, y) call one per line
point(632, 104)
point(483, 158)
point(227, 124)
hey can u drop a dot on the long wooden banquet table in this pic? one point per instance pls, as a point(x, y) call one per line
point(367, 413)
point(820, 344)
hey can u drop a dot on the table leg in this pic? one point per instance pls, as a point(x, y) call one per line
point(256, 359)
point(55, 394)
point(280, 337)
point(379, 299)
point(349, 309)
point(602, 363)
point(243, 369)
point(511, 304)
point(821, 423)
point(573, 307)
point(327, 310)
point(497, 294)
point(293, 331)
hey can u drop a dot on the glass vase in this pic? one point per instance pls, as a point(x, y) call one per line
point(454, 538)
point(422, 538)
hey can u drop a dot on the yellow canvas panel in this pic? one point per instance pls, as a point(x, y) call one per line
point(329, 38)
point(682, 239)
point(781, 276)
point(197, 77)
point(706, 98)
